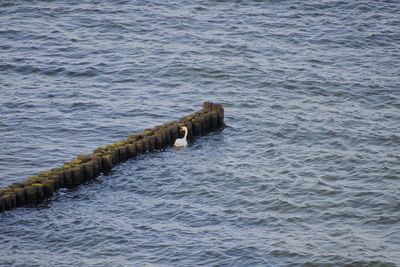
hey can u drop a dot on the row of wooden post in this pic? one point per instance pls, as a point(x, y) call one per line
point(85, 168)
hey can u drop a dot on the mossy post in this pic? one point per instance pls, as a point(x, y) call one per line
point(207, 106)
point(158, 141)
point(204, 126)
point(95, 168)
point(219, 109)
point(122, 151)
point(174, 132)
point(87, 167)
point(167, 134)
point(214, 119)
point(98, 157)
point(147, 132)
point(88, 171)
point(204, 123)
point(140, 147)
point(17, 189)
point(67, 173)
point(48, 187)
point(131, 148)
point(152, 143)
point(40, 196)
point(196, 127)
point(107, 163)
point(21, 196)
point(2, 203)
point(31, 195)
point(77, 175)
point(114, 154)
point(58, 178)
point(8, 203)
point(8, 199)
point(163, 138)
point(209, 121)
point(146, 144)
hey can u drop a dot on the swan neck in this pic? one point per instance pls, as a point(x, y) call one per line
point(186, 132)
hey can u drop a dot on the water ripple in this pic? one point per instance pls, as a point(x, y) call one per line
point(306, 173)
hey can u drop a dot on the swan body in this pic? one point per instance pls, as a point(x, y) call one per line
point(181, 142)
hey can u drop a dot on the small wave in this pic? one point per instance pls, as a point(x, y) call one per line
point(85, 105)
point(30, 69)
point(89, 72)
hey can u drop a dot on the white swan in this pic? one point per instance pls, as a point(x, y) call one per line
point(181, 142)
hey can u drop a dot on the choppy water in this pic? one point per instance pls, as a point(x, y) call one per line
point(306, 174)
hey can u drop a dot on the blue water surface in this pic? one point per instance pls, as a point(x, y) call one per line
point(307, 173)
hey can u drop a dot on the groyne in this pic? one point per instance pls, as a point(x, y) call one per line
point(84, 168)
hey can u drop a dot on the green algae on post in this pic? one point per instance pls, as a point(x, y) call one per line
point(86, 167)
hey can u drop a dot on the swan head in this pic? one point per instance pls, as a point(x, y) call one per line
point(183, 131)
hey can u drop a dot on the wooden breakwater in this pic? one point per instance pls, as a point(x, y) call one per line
point(37, 188)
